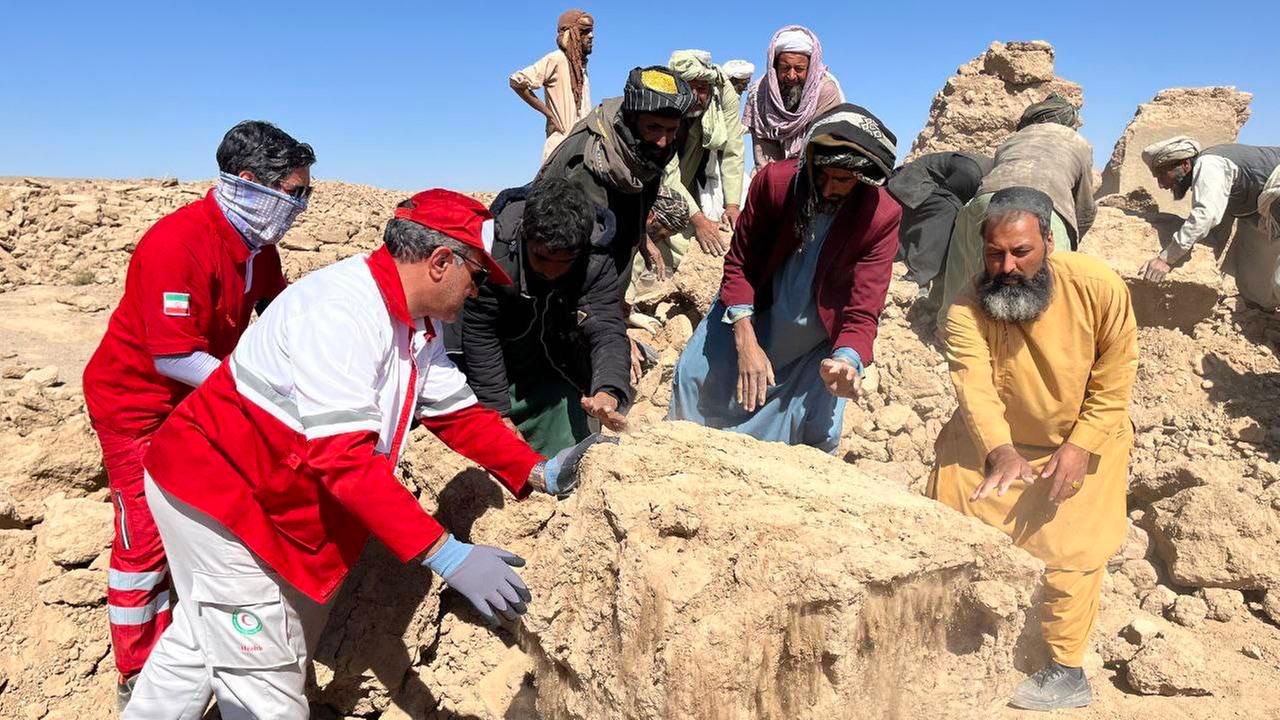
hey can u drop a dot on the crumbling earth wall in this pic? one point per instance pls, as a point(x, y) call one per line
point(979, 106)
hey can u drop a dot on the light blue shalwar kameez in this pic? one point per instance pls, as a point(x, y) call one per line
point(798, 410)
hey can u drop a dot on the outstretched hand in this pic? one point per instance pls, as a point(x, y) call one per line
point(841, 378)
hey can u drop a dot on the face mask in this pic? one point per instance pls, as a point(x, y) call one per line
point(261, 215)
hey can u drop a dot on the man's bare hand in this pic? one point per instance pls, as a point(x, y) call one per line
point(1004, 466)
point(1155, 269)
point(708, 235)
point(755, 372)
point(1066, 470)
point(653, 259)
point(731, 213)
point(603, 406)
point(841, 378)
point(637, 360)
point(512, 426)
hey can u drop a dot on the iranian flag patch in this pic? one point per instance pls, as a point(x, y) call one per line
point(177, 304)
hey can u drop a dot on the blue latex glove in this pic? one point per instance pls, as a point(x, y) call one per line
point(561, 470)
point(483, 574)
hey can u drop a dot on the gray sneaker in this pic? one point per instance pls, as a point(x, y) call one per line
point(1053, 688)
point(124, 691)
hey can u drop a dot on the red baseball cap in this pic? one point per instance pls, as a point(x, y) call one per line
point(457, 216)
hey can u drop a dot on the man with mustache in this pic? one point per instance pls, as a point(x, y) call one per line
point(562, 75)
point(618, 153)
point(1043, 352)
point(1227, 183)
point(1046, 153)
point(796, 89)
point(804, 283)
point(707, 170)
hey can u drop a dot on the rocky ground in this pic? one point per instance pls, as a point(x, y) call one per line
point(699, 574)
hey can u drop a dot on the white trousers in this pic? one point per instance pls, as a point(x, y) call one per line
point(240, 633)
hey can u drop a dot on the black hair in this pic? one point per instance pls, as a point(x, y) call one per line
point(409, 242)
point(264, 150)
point(1018, 200)
point(557, 216)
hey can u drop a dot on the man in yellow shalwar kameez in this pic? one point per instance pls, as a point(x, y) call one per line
point(1043, 352)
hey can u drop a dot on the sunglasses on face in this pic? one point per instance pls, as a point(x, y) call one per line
point(297, 192)
point(479, 273)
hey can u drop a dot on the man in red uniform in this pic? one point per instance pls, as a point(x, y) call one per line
point(267, 482)
point(192, 282)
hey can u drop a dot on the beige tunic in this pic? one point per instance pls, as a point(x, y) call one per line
point(553, 74)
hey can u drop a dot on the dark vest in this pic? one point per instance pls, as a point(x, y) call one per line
point(1256, 163)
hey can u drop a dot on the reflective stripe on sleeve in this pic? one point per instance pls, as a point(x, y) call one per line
point(138, 615)
point(121, 580)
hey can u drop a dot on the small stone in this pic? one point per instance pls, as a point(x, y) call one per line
point(1207, 385)
point(1141, 630)
point(1251, 651)
point(1169, 666)
point(75, 532)
point(894, 418)
point(1141, 573)
point(1189, 611)
point(994, 599)
point(1271, 604)
point(1224, 604)
point(1158, 599)
point(42, 377)
point(14, 371)
point(79, 587)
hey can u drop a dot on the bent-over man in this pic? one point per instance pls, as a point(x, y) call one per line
point(1226, 184)
point(784, 346)
point(1043, 351)
point(550, 350)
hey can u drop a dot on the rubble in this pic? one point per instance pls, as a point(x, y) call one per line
point(1211, 115)
point(1169, 666)
point(980, 105)
point(835, 583)
point(75, 532)
point(1205, 488)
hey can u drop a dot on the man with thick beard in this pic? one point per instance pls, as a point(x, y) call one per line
point(797, 88)
point(1227, 184)
point(1043, 351)
point(783, 347)
point(562, 75)
point(618, 153)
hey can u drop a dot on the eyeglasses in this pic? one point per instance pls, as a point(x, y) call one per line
point(479, 273)
point(298, 192)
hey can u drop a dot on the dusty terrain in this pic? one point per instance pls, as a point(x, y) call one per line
point(696, 574)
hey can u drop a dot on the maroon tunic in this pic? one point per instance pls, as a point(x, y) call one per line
point(853, 270)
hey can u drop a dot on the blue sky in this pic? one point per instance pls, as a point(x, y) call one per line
point(413, 95)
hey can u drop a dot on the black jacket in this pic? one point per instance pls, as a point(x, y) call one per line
point(573, 326)
point(630, 209)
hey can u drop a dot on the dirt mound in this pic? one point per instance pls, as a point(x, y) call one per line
point(689, 554)
point(979, 106)
point(1211, 115)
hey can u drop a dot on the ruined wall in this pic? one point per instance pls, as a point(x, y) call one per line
point(979, 106)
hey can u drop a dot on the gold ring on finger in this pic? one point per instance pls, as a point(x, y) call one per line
point(1075, 485)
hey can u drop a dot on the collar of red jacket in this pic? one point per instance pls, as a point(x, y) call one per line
point(385, 276)
point(231, 238)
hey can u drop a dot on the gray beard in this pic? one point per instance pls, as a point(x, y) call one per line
point(1019, 303)
point(791, 97)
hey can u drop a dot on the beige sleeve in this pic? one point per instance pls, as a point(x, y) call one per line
point(671, 180)
point(1086, 206)
point(732, 160)
point(537, 74)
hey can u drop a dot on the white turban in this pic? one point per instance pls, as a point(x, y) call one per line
point(1165, 152)
point(794, 41)
point(702, 55)
point(739, 69)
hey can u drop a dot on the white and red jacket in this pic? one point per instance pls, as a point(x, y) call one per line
point(292, 443)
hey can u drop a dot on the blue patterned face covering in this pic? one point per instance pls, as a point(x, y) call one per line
point(262, 215)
